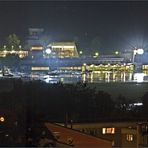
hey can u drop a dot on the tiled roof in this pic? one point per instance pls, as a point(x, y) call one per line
point(77, 138)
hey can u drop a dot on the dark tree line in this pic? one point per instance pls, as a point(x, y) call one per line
point(31, 103)
point(53, 102)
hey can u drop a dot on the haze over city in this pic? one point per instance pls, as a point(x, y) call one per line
point(74, 74)
point(117, 25)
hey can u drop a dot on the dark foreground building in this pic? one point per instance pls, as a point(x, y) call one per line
point(122, 134)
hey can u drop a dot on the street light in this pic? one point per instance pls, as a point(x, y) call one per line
point(20, 47)
point(137, 51)
point(12, 47)
point(96, 54)
point(116, 52)
point(4, 46)
point(81, 52)
point(48, 50)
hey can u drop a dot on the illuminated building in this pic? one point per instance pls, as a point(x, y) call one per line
point(63, 50)
point(19, 53)
point(36, 51)
point(122, 134)
point(34, 37)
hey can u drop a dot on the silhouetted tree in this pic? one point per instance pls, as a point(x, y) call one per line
point(13, 40)
point(104, 104)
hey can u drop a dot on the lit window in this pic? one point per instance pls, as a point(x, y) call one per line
point(36, 48)
point(108, 130)
point(129, 137)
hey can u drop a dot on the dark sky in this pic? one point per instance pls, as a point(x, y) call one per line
point(118, 24)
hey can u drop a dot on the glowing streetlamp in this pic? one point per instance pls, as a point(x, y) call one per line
point(137, 51)
point(116, 52)
point(140, 51)
point(4, 46)
point(12, 47)
point(48, 51)
point(96, 54)
point(81, 52)
point(20, 47)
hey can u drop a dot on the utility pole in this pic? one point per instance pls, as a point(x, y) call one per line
point(137, 136)
point(66, 119)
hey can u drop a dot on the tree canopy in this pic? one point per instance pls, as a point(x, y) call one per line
point(13, 41)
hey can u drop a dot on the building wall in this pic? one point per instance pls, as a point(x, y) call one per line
point(63, 49)
point(78, 139)
point(125, 133)
point(34, 37)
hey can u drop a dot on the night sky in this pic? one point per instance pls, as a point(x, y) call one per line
point(119, 25)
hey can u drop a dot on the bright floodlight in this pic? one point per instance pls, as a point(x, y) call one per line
point(48, 50)
point(139, 77)
point(140, 51)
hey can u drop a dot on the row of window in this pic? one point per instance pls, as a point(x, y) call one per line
point(108, 130)
point(129, 137)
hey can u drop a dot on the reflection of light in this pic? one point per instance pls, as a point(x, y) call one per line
point(139, 77)
point(84, 78)
point(123, 77)
point(114, 76)
point(130, 76)
point(107, 76)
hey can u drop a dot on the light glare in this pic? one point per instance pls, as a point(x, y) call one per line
point(139, 77)
point(48, 51)
point(140, 51)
